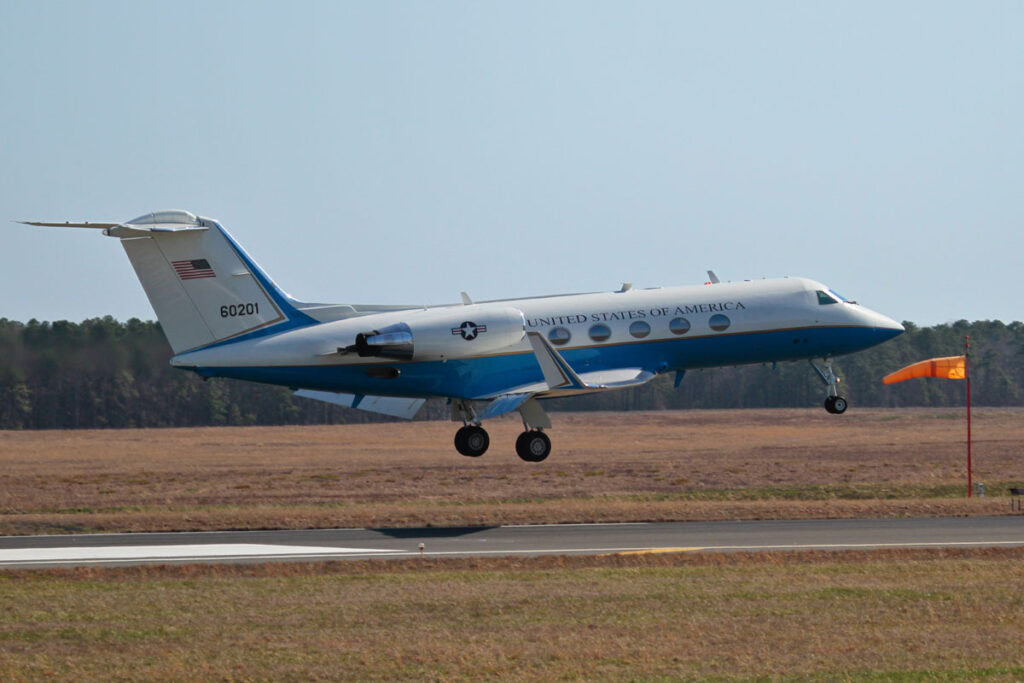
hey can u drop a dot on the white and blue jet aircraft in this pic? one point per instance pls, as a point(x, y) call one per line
point(225, 317)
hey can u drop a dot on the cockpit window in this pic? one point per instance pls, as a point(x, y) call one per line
point(826, 298)
point(839, 296)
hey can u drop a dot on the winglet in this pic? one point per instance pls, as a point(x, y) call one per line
point(557, 372)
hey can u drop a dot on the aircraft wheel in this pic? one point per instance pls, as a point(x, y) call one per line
point(533, 446)
point(836, 405)
point(472, 440)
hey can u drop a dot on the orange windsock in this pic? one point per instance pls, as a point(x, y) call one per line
point(952, 367)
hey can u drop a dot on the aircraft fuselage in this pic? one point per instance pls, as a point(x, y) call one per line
point(658, 330)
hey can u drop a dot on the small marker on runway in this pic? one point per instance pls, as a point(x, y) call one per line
point(658, 551)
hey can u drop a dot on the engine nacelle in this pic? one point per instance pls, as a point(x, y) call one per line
point(437, 334)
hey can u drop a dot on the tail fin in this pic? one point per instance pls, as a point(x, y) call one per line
point(202, 285)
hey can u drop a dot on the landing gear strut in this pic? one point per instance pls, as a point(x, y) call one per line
point(834, 403)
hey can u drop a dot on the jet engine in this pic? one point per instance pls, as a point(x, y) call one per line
point(437, 334)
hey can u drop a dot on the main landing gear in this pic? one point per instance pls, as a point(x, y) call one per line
point(834, 403)
point(472, 441)
point(533, 445)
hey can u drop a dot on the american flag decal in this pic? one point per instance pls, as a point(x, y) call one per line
point(194, 269)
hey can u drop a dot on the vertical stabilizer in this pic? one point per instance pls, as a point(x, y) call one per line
point(202, 285)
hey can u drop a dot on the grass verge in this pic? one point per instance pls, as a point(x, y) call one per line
point(911, 615)
point(631, 508)
point(646, 466)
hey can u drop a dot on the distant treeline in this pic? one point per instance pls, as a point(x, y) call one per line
point(105, 373)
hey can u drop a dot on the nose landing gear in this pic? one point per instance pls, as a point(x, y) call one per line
point(834, 403)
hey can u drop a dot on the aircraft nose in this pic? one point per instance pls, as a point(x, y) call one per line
point(886, 327)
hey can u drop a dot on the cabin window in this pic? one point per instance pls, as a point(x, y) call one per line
point(826, 298)
point(679, 326)
point(719, 322)
point(600, 332)
point(559, 336)
point(639, 329)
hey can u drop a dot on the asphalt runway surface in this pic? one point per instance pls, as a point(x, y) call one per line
point(565, 539)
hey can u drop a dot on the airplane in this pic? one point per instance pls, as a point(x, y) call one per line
point(224, 317)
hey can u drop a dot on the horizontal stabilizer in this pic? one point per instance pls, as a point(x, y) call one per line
point(386, 405)
point(69, 224)
point(157, 222)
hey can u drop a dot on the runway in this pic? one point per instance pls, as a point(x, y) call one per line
point(38, 552)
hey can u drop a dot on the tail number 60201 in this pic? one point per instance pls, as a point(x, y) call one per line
point(235, 310)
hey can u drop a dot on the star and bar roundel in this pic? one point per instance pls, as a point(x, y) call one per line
point(469, 330)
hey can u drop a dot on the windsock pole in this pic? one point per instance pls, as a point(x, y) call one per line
point(967, 376)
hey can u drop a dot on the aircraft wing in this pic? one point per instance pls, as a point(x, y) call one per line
point(617, 379)
point(561, 380)
point(386, 405)
point(504, 404)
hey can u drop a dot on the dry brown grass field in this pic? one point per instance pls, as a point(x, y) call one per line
point(878, 615)
point(883, 615)
point(677, 465)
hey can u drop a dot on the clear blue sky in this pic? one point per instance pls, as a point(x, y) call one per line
point(387, 152)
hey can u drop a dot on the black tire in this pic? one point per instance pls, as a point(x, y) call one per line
point(472, 441)
point(533, 446)
point(830, 404)
point(839, 405)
